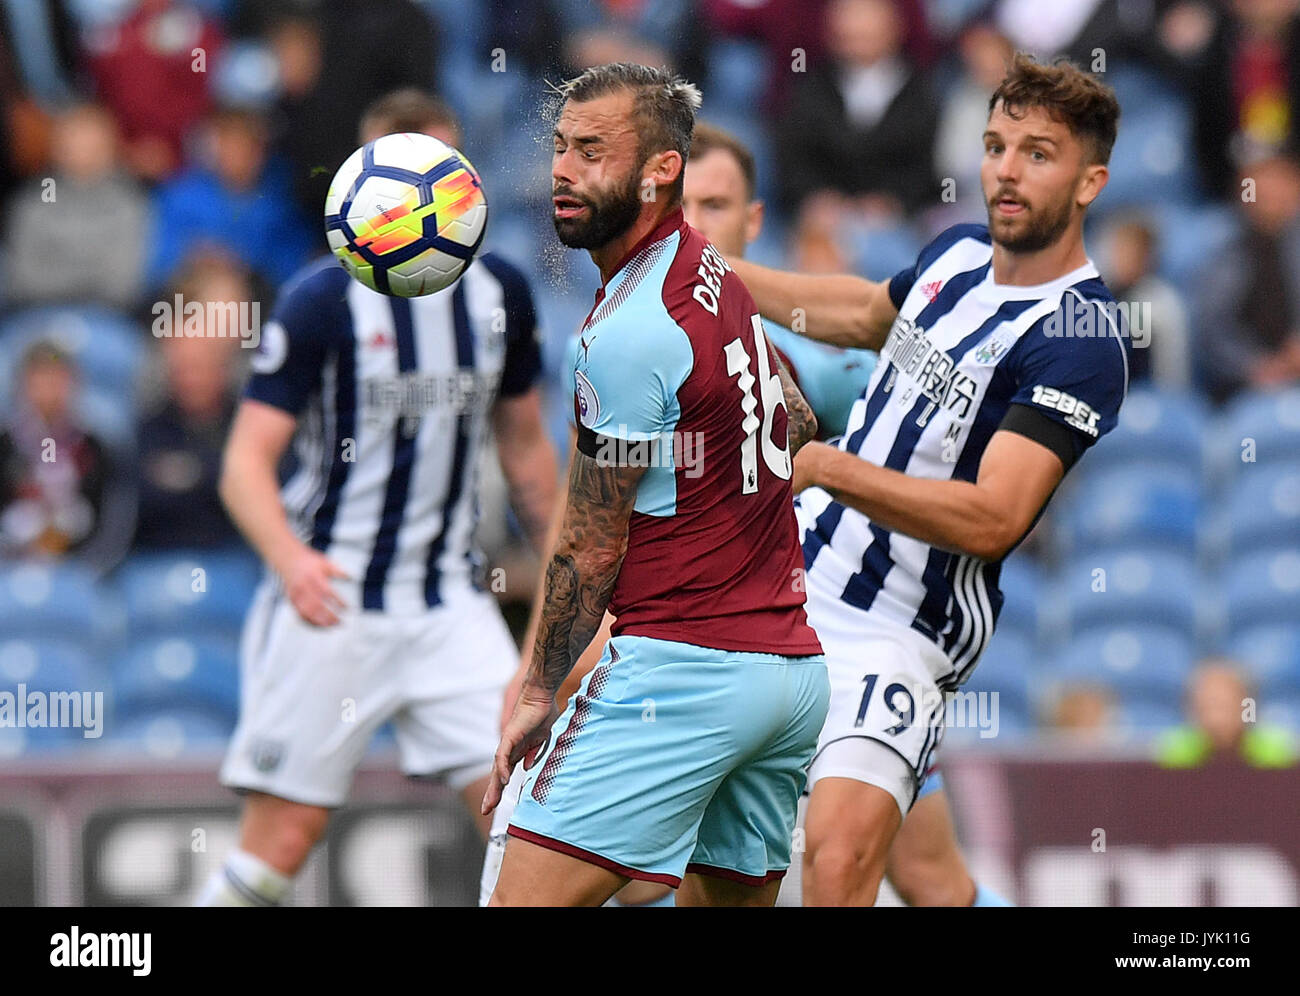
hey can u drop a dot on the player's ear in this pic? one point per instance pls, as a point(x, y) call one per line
point(1091, 181)
point(753, 220)
point(665, 167)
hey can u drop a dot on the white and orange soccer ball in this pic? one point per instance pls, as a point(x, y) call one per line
point(406, 214)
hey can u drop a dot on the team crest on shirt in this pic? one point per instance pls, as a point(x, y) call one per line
point(586, 402)
point(995, 348)
point(267, 755)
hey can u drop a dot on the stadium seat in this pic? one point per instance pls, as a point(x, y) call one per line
point(1145, 716)
point(47, 666)
point(1281, 710)
point(1264, 425)
point(1262, 588)
point(1006, 668)
point(40, 598)
point(1128, 506)
point(1271, 654)
point(737, 72)
point(1156, 428)
point(170, 733)
point(178, 672)
point(1152, 158)
point(1132, 586)
point(1261, 510)
point(188, 591)
point(1022, 582)
point(1140, 662)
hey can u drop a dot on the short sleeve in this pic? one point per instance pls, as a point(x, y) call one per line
point(901, 282)
point(625, 381)
point(1079, 379)
point(523, 353)
point(286, 366)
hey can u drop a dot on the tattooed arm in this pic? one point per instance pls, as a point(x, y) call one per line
point(802, 422)
point(583, 567)
point(580, 576)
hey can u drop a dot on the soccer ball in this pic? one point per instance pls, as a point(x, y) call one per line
point(406, 214)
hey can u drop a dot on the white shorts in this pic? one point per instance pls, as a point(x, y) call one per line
point(496, 846)
point(312, 697)
point(886, 713)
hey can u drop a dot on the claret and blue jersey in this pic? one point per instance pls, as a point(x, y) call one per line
point(963, 351)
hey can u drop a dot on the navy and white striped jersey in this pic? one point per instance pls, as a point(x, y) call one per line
point(962, 352)
point(393, 397)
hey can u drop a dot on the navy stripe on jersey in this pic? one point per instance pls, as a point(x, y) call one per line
point(345, 427)
point(399, 479)
point(459, 459)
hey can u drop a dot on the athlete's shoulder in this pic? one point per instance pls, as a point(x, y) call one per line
point(950, 237)
point(323, 280)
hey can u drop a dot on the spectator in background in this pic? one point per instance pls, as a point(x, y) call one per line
point(237, 199)
point(861, 123)
point(181, 438)
point(335, 58)
point(1248, 296)
point(79, 234)
point(62, 491)
point(1219, 699)
point(1241, 60)
point(150, 70)
point(1083, 713)
point(1157, 318)
point(959, 149)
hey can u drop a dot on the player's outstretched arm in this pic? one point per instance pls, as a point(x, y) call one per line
point(251, 493)
point(580, 576)
point(528, 463)
point(840, 309)
point(983, 519)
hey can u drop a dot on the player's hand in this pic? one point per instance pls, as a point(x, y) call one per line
point(306, 575)
point(525, 737)
point(806, 464)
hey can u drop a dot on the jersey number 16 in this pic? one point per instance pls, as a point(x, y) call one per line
point(776, 457)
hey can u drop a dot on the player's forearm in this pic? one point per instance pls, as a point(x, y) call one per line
point(836, 309)
point(251, 494)
point(802, 422)
point(578, 588)
point(531, 479)
point(953, 515)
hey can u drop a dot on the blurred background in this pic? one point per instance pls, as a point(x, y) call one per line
point(1147, 661)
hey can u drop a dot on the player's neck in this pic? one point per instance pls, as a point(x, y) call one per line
point(611, 257)
point(1027, 269)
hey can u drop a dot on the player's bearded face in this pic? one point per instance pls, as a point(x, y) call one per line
point(1037, 224)
point(608, 212)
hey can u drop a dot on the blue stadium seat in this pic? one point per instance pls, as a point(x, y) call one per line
point(1261, 510)
point(1263, 588)
point(188, 591)
point(1140, 662)
point(1135, 586)
point(1125, 506)
point(1022, 581)
point(1156, 428)
point(1152, 159)
point(1271, 654)
point(1191, 234)
point(178, 672)
point(40, 598)
point(1267, 422)
point(1007, 668)
point(170, 733)
point(737, 72)
point(1281, 710)
point(47, 666)
point(1146, 716)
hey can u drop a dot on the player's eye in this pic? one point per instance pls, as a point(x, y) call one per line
point(1039, 156)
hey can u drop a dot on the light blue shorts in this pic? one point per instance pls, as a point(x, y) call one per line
point(932, 784)
point(674, 758)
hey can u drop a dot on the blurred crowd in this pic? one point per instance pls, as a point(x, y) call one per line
point(161, 147)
